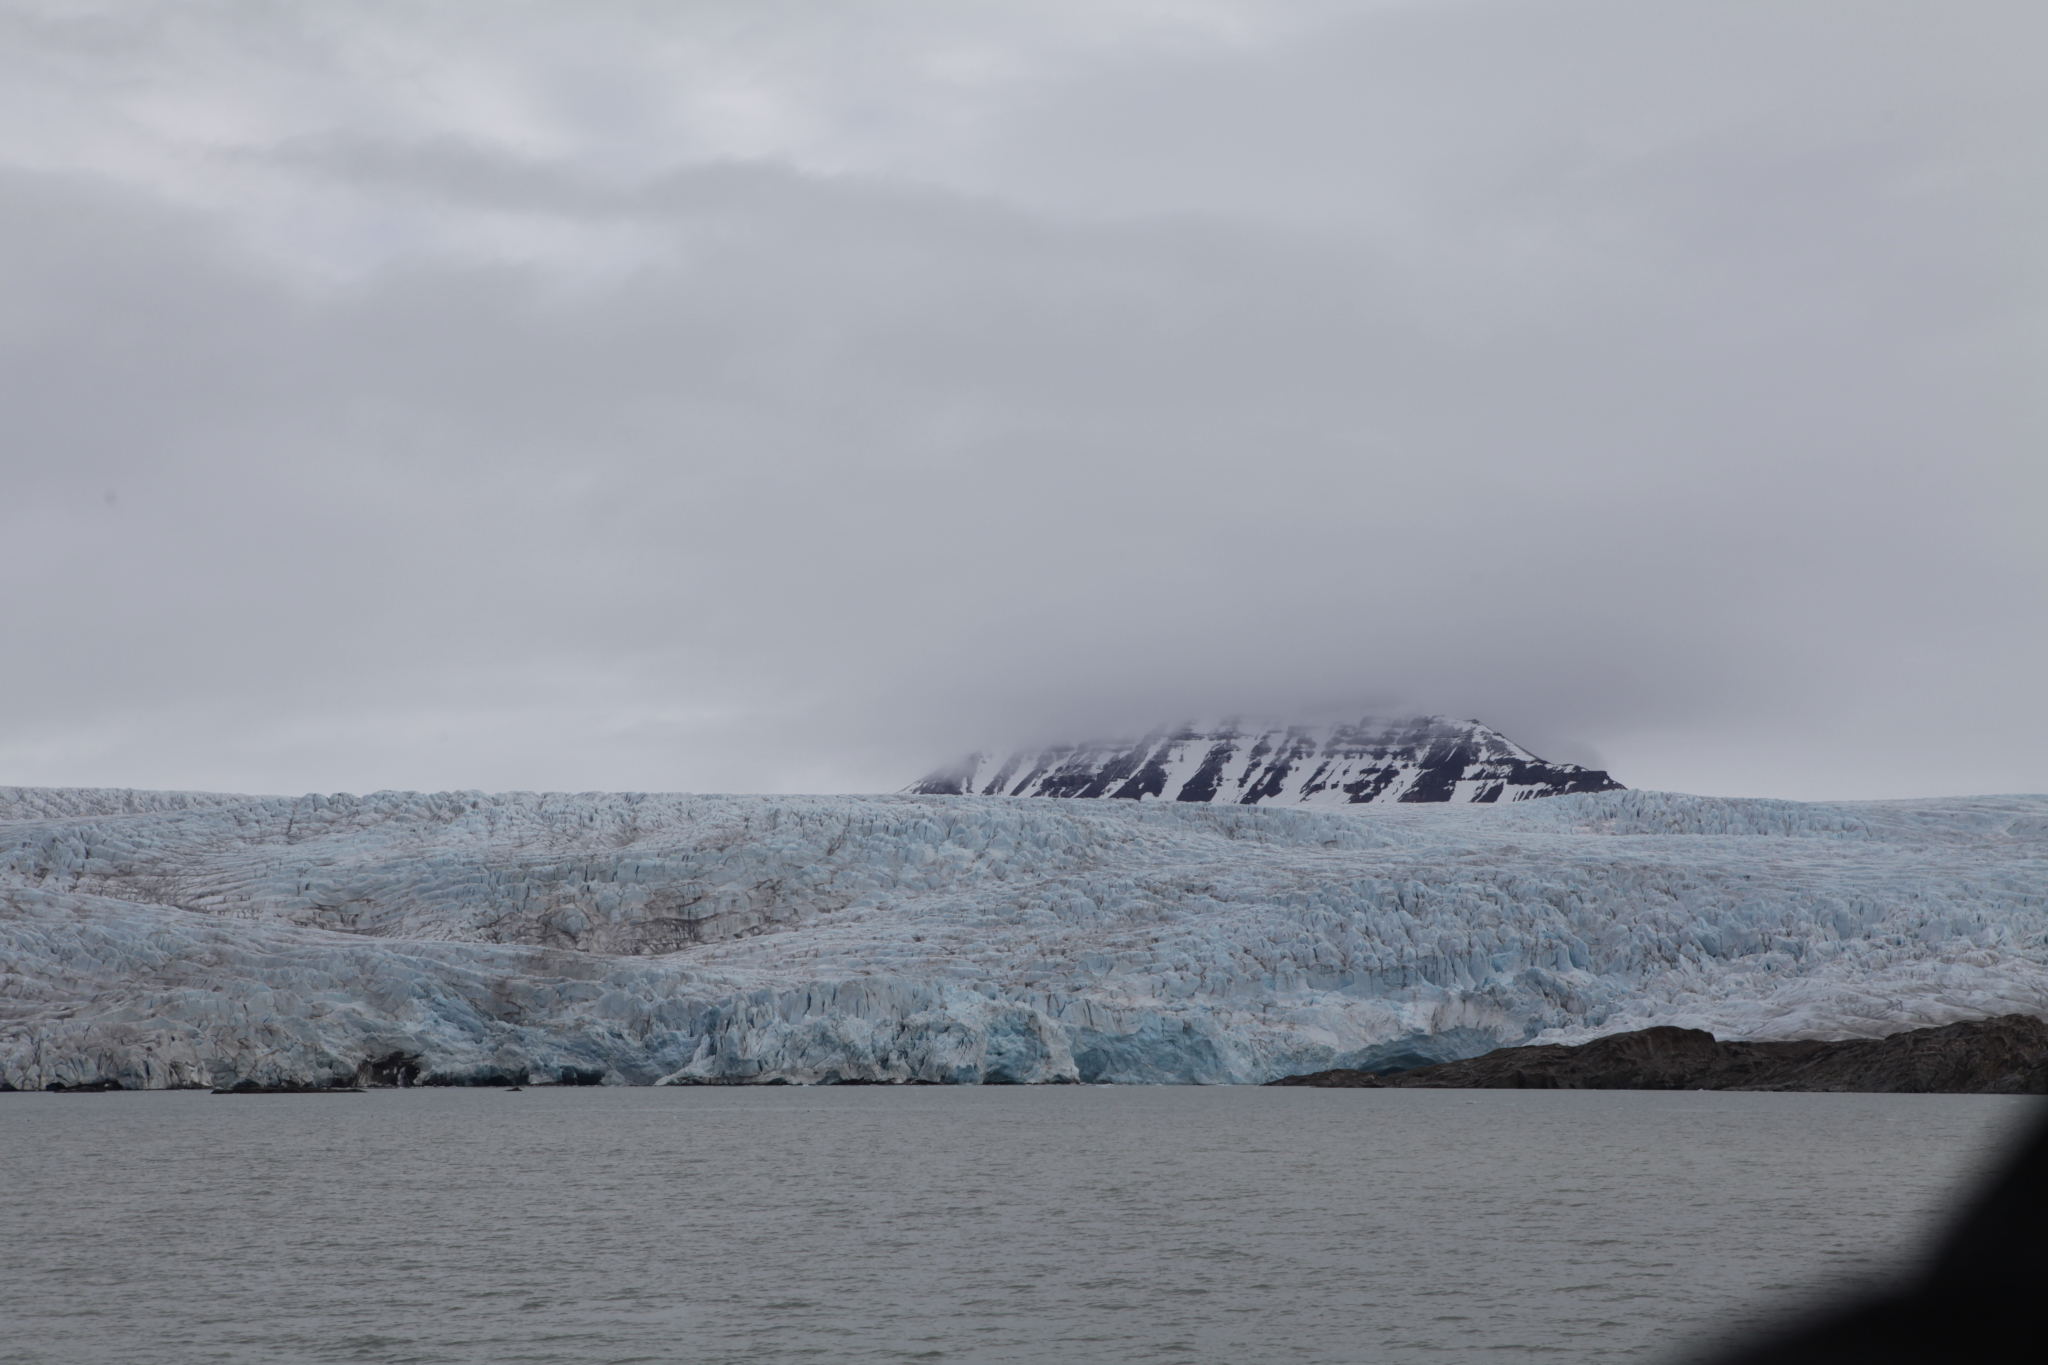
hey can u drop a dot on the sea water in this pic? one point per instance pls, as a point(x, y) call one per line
point(1053, 1224)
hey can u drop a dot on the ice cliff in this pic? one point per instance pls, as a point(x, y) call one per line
point(1431, 758)
point(153, 939)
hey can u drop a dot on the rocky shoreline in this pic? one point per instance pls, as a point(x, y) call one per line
point(2003, 1056)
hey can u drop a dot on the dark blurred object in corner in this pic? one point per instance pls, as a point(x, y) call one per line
point(1974, 1303)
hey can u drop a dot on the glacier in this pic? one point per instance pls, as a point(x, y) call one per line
point(160, 939)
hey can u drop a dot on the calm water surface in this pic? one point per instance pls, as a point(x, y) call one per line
point(1064, 1224)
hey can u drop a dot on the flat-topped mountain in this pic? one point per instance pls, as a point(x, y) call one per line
point(1429, 758)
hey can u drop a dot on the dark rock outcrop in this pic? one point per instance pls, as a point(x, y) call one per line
point(83, 1088)
point(285, 1088)
point(392, 1069)
point(2003, 1056)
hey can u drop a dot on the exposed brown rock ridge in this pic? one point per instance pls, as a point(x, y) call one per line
point(2003, 1056)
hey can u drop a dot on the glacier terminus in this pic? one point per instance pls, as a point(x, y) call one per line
point(159, 939)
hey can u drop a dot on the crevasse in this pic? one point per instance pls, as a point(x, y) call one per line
point(160, 939)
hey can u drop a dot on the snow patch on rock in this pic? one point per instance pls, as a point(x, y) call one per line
point(1427, 759)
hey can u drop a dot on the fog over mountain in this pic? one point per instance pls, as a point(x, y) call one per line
point(792, 397)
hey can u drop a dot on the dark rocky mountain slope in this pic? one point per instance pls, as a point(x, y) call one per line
point(1430, 758)
point(2003, 1056)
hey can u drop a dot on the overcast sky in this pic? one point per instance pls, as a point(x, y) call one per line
point(791, 396)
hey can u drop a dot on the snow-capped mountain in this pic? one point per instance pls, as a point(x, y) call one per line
point(153, 939)
point(1430, 758)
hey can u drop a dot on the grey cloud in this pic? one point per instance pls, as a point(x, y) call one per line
point(1710, 459)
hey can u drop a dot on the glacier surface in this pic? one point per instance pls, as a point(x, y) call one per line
point(162, 939)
